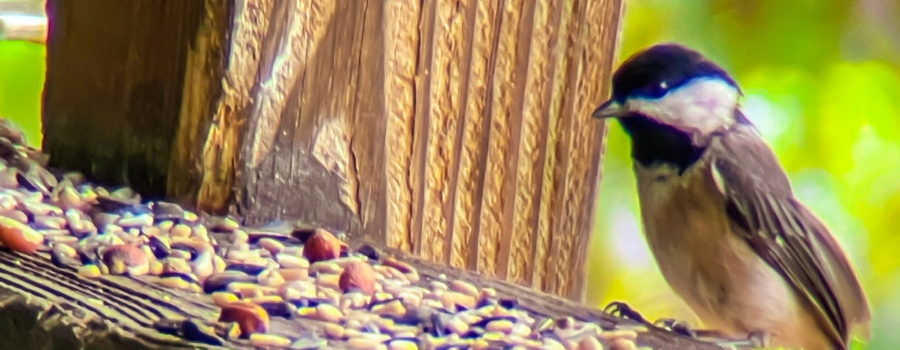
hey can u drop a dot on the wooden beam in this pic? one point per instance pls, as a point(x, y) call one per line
point(457, 130)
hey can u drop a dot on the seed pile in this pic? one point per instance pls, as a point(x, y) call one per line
point(363, 300)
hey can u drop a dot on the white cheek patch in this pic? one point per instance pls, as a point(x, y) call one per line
point(703, 104)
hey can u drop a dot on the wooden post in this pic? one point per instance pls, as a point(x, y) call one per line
point(457, 130)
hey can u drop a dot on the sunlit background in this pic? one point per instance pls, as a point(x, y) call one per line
point(21, 67)
point(822, 82)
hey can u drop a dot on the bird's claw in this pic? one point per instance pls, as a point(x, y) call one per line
point(622, 310)
point(676, 326)
point(758, 339)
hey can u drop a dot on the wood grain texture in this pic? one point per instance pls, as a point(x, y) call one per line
point(45, 306)
point(522, 231)
point(443, 124)
point(579, 140)
point(400, 50)
point(203, 148)
point(471, 146)
point(501, 175)
point(458, 130)
point(497, 178)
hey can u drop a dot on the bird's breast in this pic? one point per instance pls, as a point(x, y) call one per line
point(711, 267)
point(685, 223)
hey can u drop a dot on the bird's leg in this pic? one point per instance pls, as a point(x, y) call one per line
point(755, 339)
point(759, 339)
point(622, 310)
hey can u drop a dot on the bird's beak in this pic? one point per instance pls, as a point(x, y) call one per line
point(609, 109)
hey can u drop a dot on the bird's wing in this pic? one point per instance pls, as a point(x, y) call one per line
point(786, 234)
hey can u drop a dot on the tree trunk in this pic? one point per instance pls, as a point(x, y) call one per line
point(456, 130)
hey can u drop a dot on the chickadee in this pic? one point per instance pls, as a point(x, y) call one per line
point(718, 211)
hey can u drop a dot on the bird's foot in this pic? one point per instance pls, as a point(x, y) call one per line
point(756, 339)
point(622, 310)
point(676, 326)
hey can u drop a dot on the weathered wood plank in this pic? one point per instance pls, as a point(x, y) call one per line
point(204, 95)
point(44, 305)
point(48, 306)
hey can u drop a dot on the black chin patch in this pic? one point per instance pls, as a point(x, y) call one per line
point(653, 142)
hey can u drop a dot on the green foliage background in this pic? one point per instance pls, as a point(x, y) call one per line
point(21, 82)
point(822, 82)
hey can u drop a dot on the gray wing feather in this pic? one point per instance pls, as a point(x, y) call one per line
point(785, 233)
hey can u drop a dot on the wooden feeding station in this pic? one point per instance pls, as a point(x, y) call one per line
point(459, 131)
point(456, 134)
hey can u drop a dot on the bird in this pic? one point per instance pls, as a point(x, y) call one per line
point(718, 211)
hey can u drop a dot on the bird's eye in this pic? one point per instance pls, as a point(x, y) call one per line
point(657, 90)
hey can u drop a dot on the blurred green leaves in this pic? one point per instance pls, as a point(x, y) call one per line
point(821, 81)
point(21, 82)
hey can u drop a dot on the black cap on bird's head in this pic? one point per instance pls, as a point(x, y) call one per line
point(670, 99)
point(654, 72)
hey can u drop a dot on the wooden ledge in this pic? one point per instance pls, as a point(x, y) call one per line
point(46, 306)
